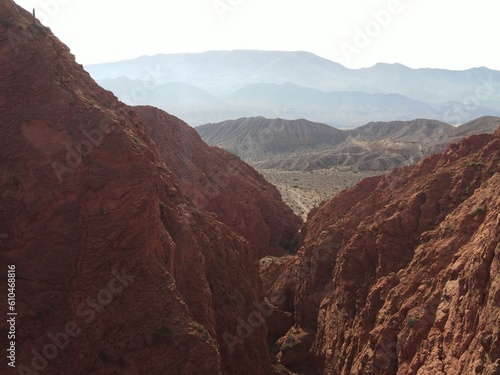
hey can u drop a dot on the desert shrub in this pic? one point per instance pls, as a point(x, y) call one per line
point(477, 164)
point(199, 330)
point(162, 334)
point(104, 357)
point(290, 343)
point(413, 321)
point(480, 210)
point(6, 23)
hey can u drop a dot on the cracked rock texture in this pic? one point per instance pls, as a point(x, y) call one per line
point(400, 274)
point(115, 259)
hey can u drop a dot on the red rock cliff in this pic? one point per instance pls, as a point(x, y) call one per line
point(219, 182)
point(117, 271)
point(400, 274)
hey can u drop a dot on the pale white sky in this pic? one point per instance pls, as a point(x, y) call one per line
point(451, 34)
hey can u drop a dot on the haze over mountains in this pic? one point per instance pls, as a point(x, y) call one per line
point(302, 145)
point(220, 85)
point(135, 248)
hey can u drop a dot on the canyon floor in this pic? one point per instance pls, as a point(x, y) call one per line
point(304, 190)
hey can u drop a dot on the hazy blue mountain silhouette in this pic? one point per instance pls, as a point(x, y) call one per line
point(243, 83)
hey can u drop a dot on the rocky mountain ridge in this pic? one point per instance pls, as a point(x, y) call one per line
point(399, 274)
point(121, 267)
point(216, 86)
point(138, 249)
point(301, 145)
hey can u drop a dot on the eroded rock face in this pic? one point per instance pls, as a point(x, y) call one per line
point(219, 182)
point(131, 255)
point(118, 271)
point(399, 275)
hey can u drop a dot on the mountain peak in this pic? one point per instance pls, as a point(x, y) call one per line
point(124, 227)
point(244, 83)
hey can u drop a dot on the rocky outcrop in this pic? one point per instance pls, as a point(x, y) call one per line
point(399, 274)
point(131, 256)
point(117, 270)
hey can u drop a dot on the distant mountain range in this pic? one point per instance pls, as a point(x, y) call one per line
point(305, 145)
point(220, 85)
